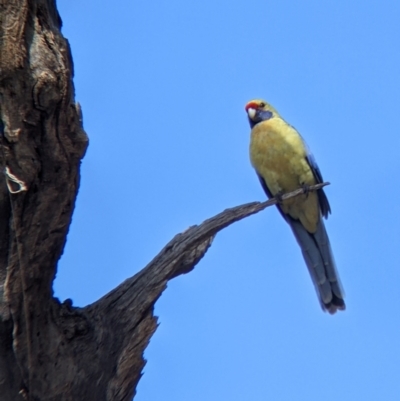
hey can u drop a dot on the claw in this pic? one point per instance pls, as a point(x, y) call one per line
point(305, 188)
point(278, 197)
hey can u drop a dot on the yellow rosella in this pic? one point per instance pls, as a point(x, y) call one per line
point(284, 163)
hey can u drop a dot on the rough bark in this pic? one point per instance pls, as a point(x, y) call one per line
point(52, 351)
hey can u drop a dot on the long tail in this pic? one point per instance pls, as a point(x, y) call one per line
point(318, 256)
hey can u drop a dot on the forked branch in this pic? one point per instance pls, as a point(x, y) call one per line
point(49, 350)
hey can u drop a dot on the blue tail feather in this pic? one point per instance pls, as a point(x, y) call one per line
point(319, 259)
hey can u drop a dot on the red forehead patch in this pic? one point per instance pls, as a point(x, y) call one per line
point(252, 105)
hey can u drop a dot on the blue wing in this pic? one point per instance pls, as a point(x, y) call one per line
point(323, 200)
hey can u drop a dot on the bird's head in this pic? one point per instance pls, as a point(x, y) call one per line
point(258, 110)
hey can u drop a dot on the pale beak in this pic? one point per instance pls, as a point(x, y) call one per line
point(251, 112)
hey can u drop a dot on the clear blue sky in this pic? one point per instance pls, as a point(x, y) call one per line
point(163, 87)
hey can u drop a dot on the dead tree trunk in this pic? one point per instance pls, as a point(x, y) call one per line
point(48, 350)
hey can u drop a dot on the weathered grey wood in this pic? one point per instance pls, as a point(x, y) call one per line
point(52, 351)
point(42, 144)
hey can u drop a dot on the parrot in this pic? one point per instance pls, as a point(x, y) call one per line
point(284, 163)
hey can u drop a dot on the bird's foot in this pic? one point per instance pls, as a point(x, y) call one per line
point(305, 188)
point(278, 197)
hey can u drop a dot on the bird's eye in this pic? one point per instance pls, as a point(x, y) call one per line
point(262, 104)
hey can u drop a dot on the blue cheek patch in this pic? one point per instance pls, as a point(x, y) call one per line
point(262, 115)
point(265, 115)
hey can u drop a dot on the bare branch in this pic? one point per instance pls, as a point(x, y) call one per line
point(129, 307)
point(49, 350)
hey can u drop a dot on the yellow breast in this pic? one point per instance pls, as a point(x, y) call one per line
point(278, 154)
